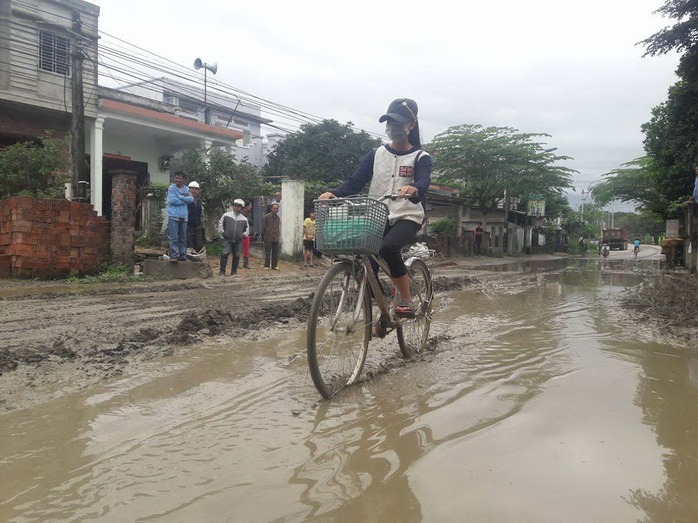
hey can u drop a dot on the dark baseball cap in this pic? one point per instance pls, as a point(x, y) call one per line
point(402, 110)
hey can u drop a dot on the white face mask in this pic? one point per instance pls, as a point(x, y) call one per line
point(396, 131)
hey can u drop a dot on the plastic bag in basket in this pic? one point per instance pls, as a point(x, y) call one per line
point(341, 234)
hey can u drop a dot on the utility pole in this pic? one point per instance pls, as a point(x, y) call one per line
point(80, 176)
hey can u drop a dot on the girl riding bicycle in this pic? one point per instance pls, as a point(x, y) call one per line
point(403, 168)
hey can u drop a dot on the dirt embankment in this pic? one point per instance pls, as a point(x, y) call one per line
point(67, 338)
point(60, 338)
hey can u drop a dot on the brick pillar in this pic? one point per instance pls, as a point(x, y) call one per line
point(123, 216)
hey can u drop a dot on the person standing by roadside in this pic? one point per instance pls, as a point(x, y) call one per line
point(195, 226)
point(234, 227)
point(178, 198)
point(271, 229)
point(478, 238)
point(309, 240)
point(277, 200)
point(247, 213)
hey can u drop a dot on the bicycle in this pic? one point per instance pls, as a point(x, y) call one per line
point(341, 321)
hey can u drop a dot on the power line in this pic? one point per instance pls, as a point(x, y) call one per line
point(127, 67)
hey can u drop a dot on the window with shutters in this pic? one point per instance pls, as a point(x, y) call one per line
point(54, 53)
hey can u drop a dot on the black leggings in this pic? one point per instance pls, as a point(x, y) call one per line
point(401, 233)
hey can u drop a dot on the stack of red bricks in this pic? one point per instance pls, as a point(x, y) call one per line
point(50, 238)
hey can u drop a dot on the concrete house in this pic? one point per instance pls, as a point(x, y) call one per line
point(144, 135)
point(37, 40)
point(213, 108)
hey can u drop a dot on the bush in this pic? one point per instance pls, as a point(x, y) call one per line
point(215, 248)
point(38, 169)
point(442, 227)
point(108, 272)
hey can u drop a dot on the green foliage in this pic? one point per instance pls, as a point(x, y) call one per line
point(557, 205)
point(215, 248)
point(672, 144)
point(443, 227)
point(643, 225)
point(595, 220)
point(159, 192)
point(35, 169)
point(222, 179)
point(327, 152)
point(108, 272)
point(577, 229)
point(489, 161)
point(663, 179)
point(681, 37)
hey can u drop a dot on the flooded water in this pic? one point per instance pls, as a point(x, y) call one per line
point(534, 406)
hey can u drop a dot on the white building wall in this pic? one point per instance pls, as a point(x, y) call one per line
point(139, 150)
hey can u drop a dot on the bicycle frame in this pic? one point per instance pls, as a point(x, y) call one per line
point(348, 295)
point(370, 280)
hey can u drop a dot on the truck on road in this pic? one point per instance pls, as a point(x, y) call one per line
point(616, 239)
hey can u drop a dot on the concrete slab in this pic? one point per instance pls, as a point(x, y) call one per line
point(178, 270)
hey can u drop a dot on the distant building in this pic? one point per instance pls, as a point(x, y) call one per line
point(187, 101)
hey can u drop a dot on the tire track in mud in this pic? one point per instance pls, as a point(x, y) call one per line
point(84, 338)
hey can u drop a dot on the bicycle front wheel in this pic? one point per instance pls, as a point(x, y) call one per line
point(339, 329)
point(412, 334)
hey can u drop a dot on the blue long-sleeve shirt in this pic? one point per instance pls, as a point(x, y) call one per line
point(177, 201)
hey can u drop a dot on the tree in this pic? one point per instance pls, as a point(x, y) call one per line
point(636, 181)
point(672, 143)
point(663, 179)
point(222, 179)
point(38, 169)
point(681, 37)
point(488, 162)
point(639, 224)
point(327, 153)
point(557, 205)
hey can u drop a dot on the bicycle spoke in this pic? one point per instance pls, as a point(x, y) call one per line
point(413, 333)
point(337, 330)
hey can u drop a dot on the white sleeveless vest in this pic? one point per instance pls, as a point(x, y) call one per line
point(391, 172)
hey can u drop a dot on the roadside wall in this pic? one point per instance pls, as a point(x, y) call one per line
point(50, 238)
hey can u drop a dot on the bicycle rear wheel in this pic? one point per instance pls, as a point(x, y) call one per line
point(412, 334)
point(339, 329)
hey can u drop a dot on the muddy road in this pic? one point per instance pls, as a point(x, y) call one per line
point(538, 399)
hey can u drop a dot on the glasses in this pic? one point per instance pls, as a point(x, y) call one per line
point(414, 116)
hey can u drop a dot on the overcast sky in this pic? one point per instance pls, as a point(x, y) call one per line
point(568, 69)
